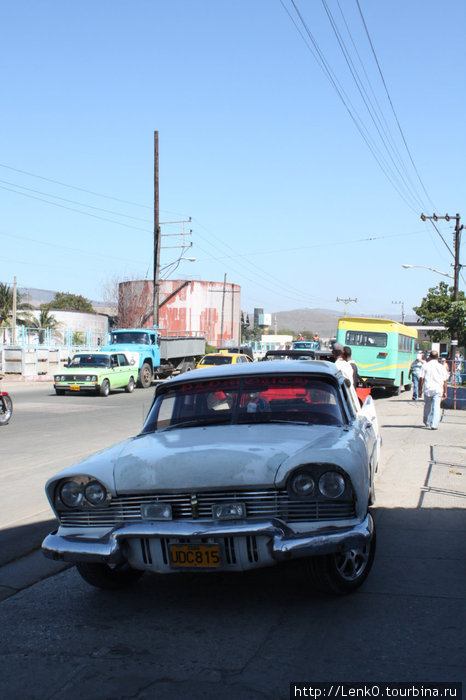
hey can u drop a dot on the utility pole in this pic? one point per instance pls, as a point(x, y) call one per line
point(346, 302)
point(15, 292)
point(223, 308)
point(156, 291)
point(402, 309)
point(456, 254)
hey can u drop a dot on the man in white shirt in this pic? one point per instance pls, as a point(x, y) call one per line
point(344, 366)
point(433, 382)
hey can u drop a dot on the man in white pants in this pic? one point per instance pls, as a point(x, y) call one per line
point(433, 382)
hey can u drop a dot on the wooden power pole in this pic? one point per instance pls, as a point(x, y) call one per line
point(156, 291)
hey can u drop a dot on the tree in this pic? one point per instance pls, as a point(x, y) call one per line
point(70, 302)
point(439, 306)
point(45, 320)
point(6, 307)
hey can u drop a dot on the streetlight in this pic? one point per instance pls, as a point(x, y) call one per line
point(439, 272)
point(175, 264)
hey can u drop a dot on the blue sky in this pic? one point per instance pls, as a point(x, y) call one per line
point(255, 144)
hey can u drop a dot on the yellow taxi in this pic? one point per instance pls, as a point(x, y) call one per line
point(222, 358)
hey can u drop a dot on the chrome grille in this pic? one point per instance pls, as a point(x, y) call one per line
point(260, 505)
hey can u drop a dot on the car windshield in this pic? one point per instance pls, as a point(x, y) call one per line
point(130, 338)
point(216, 360)
point(306, 400)
point(90, 361)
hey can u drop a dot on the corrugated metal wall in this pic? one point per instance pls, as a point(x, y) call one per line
point(212, 308)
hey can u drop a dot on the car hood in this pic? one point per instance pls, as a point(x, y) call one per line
point(214, 457)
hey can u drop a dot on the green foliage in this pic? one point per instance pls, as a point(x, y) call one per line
point(6, 307)
point(78, 338)
point(438, 306)
point(70, 302)
point(249, 334)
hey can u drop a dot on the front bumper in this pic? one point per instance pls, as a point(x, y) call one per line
point(283, 543)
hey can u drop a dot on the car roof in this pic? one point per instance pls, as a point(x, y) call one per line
point(291, 353)
point(303, 367)
point(223, 354)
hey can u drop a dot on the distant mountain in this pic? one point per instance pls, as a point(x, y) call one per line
point(36, 297)
point(321, 321)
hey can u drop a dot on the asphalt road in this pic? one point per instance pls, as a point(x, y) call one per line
point(243, 635)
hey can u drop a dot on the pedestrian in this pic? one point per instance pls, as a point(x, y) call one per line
point(433, 382)
point(341, 363)
point(347, 356)
point(316, 340)
point(458, 366)
point(300, 336)
point(415, 373)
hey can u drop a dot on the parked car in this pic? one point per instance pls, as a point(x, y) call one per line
point(236, 467)
point(99, 372)
point(290, 354)
point(222, 358)
point(242, 349)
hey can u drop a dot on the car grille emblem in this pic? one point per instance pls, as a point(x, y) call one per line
point(194, 505)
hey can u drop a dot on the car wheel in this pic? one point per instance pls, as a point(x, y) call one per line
point(342, 572)
point(105, 576)
point(187, 367)
point(6, 409)
point(60, 392)
point(129, 388)
point(145, 376)
point(105, 388)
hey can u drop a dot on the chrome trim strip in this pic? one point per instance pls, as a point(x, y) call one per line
point(285, 544)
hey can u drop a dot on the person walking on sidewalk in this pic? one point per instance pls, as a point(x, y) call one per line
point(433, 382)
point(415, 373)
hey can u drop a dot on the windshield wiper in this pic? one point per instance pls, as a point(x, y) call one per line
point(198, 422)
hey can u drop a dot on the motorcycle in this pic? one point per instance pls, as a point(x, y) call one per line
point(6, 406)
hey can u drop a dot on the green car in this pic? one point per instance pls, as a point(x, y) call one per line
point(97, 372)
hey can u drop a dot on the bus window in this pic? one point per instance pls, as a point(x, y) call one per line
point(366, 338)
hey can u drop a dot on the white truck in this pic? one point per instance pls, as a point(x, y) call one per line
point(156, 356)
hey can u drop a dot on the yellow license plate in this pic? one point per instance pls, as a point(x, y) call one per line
point(75, 387)
point(195, 556)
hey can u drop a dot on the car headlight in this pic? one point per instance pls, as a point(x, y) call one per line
point(331, 484)
point(95, 493)
point(301, 485)
point(228, 511)
point(71, 494)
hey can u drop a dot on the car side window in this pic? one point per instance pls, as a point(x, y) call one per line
point(123, 360)
point(114, 360)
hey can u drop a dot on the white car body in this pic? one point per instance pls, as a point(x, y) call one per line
point(225, 493)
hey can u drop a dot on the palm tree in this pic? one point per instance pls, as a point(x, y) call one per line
point(45, 320)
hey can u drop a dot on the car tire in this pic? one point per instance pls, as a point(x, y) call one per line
point(6, 410)
point(104, 388)
point(145, 376)
point(341, 573)
point(129, 388)
point(60, 392)
point(107, 577)
point(187, 367)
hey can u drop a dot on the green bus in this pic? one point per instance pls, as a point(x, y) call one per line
point(383, 350)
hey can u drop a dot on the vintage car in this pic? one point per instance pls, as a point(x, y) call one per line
point(97, 372)
point(290, 354)
point(236, 467)
point(223, 358)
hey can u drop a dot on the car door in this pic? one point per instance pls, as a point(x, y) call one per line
point(126, 370)
point(115, 372)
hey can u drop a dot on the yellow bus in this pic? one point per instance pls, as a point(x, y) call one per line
point(382, 350)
